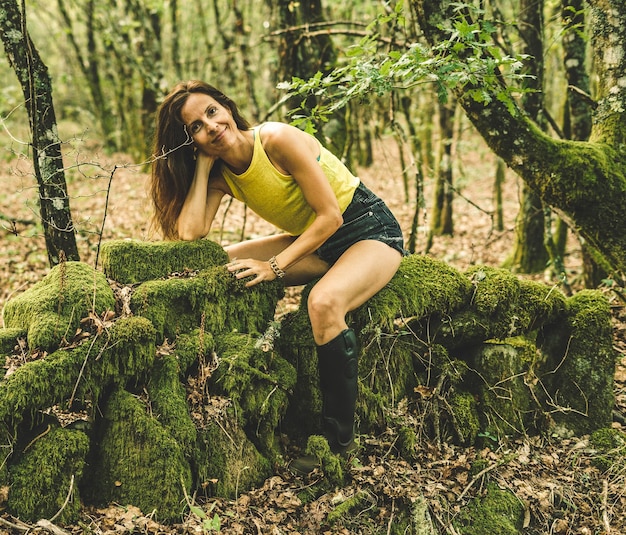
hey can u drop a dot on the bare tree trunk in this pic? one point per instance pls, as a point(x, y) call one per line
point(54, 203)
point(305, 55)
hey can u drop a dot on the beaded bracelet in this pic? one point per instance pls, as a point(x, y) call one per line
point(277, 271)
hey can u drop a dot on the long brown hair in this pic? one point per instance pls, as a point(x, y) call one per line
point(174, 163)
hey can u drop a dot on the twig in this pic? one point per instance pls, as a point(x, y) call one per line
point(605, 514)
point(19, 527)
point(49, 526)
point(104, 217)
point(67, 500)
point(476, 478)
point(390, 523)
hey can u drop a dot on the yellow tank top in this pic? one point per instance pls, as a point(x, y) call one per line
point(277, 198)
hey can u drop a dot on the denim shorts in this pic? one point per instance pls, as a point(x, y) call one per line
point(366, 218)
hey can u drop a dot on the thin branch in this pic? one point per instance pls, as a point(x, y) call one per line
point(67, 500)
point(476, 478)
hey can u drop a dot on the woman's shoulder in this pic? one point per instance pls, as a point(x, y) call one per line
point(275, 129)
point(276, 136)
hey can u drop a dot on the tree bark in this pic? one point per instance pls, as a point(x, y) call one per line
point(54, 202)
point(585, 182)
point(529, 253)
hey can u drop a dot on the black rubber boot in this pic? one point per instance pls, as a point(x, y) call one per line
point(338, 372)
point(338, 368)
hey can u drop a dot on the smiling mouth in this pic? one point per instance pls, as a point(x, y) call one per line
point(219, 136)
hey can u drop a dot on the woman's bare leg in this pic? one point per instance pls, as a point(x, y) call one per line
point(364, 269)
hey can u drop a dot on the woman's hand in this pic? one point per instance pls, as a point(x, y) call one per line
point(258, 270)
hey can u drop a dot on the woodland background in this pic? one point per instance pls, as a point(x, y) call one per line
point(111, 62)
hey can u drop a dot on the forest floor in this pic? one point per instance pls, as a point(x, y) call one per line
point(557, 479)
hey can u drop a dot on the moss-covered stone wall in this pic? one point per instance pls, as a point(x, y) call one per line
point(162, 376)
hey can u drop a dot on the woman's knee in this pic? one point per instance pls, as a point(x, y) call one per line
point(322, 305)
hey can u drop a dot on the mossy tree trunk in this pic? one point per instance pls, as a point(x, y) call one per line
point(441, 222)
point(578, 104)
point(585, 182)
point(529, 252)
point(54, 202)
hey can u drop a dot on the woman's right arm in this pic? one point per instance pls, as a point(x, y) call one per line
point(201, 204)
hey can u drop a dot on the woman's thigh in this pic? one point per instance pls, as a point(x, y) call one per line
point(304, 271)
point(359, 273)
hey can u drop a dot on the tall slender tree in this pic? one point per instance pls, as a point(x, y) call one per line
point(54, 202)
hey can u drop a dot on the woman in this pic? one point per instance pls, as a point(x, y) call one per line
point(335, 229)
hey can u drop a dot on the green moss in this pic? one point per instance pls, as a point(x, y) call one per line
point(226, 461)
point(39, 384)
point(44, 476)
point(407, 443)
point(121, 358)
point(190, 347)
point(386, 370)
point(137, 461)
point(506, 306)
point(347, 507)
point(497, 511)
point(121, 355)
point(421, 286)
point(505, 402)
point(169, 402)
point(213, 300)
point(258, 382)
point(466, 417)
point(297, 346)
point(51, 309)
point(133, 261)
point(611, 448)
point(580, 364)
point(8, 339)
point(330, 464)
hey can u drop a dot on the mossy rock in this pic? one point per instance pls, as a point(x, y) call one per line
point(134, 261)
point(8, 339)
point(120, 356)
point(226, 462)
point(504, 307)
point(137, 461)
point(213, 300)
point(191, 347)
point(496, 511)
point(465, 415)
point(386, 376)
point(258, 382)
point(499, 380)
point(51, 310)
point(578, 373)
point(46, 473)
point(169, 402)
point(508, 306)
point(610, 446)
point(421, 286)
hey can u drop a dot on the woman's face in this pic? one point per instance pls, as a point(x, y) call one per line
point(210, 124)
